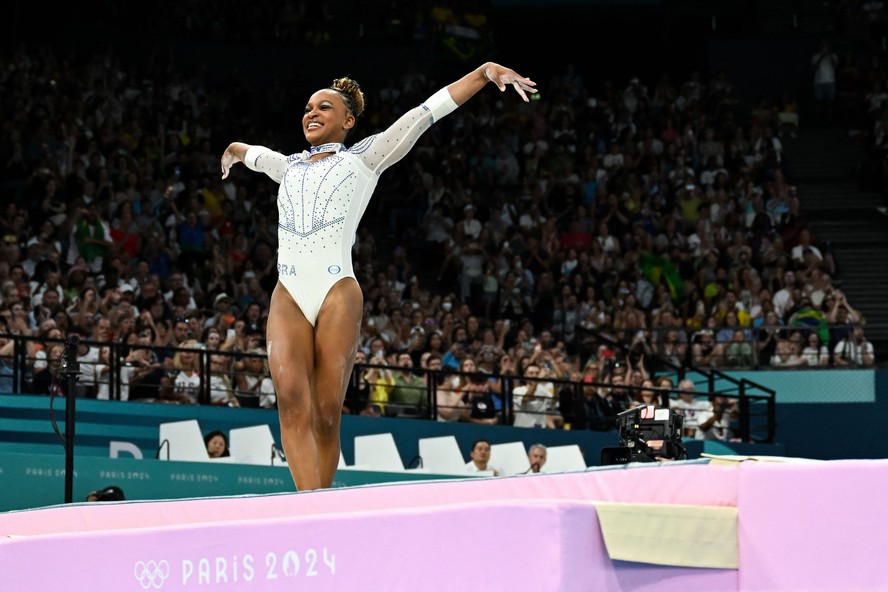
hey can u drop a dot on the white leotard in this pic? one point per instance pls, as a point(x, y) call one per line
point(321, 202)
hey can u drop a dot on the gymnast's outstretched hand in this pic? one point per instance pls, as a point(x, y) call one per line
point(234, 154)
point(502, 77)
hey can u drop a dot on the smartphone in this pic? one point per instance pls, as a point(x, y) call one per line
point(230, 333)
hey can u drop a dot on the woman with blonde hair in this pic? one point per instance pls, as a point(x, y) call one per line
point(186, 382)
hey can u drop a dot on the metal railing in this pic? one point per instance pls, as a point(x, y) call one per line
point(756, 403)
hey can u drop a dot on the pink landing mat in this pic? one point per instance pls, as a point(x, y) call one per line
point(648, 483)
point(807, 526)
point(534, 546)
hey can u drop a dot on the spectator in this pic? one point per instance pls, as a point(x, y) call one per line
point(715, 422)
point(594, 410)
point(480, 458)
point(534, 401)
point(90, 238)
point(689, 407)
point(767, 336)
point(44, 381)
point(783, 298)
point(647, 395)
point(665, 385)
point(537, 458)
point(380, 379)
point(217, 444)
point(476, 395)
point(192, 238)
point(786, 355)
point(854, 350)
point(142, 371)
point(739, 353)
point(816, 353)
point(825, 64)
point(186, 380)
point(221, 391)
point(102, 374)
point(706, 352)
point(409, 394)
point(224, 313)
point(449, 401)
point(250, 372)
point(357, 395)
point(803, 248)
point(181, 332)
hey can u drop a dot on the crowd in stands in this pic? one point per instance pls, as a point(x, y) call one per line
point(526, 254)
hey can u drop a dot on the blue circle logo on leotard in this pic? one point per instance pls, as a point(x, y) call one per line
point(334, 269)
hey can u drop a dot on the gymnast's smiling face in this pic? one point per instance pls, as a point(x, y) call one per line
point(326, 118)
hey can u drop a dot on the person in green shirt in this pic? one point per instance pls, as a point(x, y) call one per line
point(410, 393)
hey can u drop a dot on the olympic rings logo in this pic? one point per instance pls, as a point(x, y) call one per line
point(152, 574)
point(334, 269)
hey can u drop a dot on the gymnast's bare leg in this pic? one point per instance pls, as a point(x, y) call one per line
point(310, 368)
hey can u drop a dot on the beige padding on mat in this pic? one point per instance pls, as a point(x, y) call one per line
point(664, 534)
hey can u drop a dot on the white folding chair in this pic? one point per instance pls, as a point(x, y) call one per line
point(253, 445)
point(510, 458)
point(564, 459)
point(442, 455)
point(378, 452)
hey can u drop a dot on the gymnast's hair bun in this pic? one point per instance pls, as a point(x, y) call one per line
point(352, 90)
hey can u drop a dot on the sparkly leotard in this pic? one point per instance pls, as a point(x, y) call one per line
point(321, 202)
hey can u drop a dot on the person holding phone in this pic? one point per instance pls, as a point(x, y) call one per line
point(315, 312)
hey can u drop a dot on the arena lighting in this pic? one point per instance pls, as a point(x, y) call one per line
point(647, 434)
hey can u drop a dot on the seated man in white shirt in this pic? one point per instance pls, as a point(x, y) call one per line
point(798, 251)
point(480, 456)
point(534, 402)
point(854, 350)
point(690, 407)
point(715, 424)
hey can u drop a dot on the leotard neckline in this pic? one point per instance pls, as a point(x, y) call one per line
point(329, 147)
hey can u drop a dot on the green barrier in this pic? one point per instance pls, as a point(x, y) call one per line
point(38, 480)
point(26, 419)
point(132, 429)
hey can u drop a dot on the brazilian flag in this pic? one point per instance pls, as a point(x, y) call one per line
point(659, 269)
point(811, 319)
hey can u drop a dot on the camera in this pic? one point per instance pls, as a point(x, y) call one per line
point(647, 434)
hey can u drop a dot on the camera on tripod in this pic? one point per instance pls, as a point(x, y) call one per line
point(647, 434)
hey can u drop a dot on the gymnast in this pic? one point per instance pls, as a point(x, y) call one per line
point(315, 312)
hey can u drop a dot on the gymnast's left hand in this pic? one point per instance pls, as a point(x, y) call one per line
point(503, 77)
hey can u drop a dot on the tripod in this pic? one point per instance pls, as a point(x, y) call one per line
point(69, 371)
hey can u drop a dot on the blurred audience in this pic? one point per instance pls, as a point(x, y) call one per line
point(611, 233)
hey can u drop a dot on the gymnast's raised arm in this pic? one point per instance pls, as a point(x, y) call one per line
point(382, 150)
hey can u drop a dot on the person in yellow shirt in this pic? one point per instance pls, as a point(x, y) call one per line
point(380, 380)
